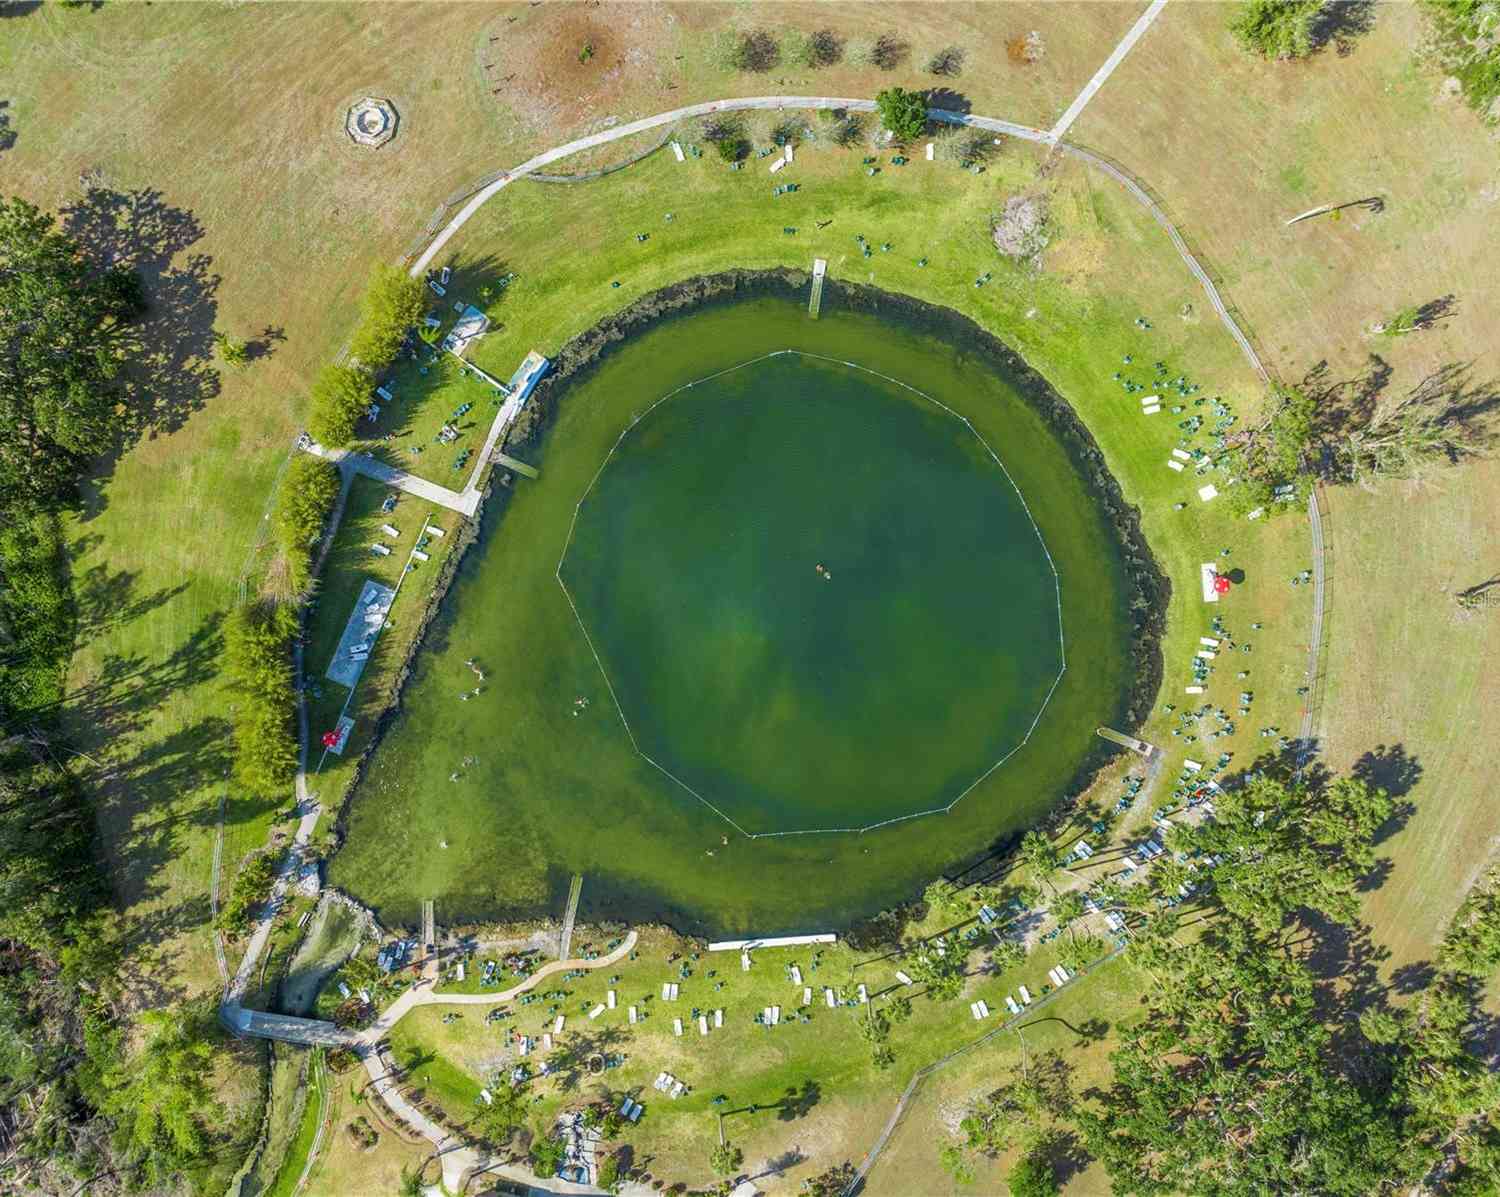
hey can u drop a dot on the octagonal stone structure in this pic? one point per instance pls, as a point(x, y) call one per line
point(817, 598)
point(371, 122)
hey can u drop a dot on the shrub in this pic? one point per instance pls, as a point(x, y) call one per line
point(1276, 28)
point(888, 52)
point(823, 49)
point(393, 302)
point(947, 62)
point(252, 886)
point(340, 395)
point(756, 51)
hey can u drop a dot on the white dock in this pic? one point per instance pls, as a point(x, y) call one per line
point(779, 941)
point(815, 304)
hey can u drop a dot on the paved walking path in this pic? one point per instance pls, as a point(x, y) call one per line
point(1127, 43)
point(464, 502)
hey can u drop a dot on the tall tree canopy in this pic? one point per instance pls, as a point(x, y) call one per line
point(63, 340)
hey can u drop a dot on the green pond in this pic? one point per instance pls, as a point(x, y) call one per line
point(818, 599)
point(678, 701)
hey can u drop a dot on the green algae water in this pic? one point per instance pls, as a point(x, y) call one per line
point(819, 601)
point(680, 703)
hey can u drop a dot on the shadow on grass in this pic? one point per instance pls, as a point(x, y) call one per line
point(169, 371)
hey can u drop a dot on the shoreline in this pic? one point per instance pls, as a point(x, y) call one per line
point(1148, 587)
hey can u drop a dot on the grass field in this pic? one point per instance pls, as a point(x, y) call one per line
point(223, 139)
point(808, 1083)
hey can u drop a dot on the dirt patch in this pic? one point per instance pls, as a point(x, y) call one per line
point(566, 66)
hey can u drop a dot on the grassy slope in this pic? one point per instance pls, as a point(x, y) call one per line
point(1236, 152)
point(749, 1064)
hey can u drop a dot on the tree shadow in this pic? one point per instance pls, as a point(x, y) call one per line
point(1414, 977)
point(19, 8)
point(798, 1101)
point(779, 1166)
point(7, 133)
point(1340, 23)
point(1065, 1154)
point(945, 99)
point(262, 344)
point(169, 372)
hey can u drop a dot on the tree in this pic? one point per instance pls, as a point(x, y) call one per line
point(1284, 846)
point(756, 51)
point(1007, 955)
point(393, 302)
point(1278, 454)
point(1067, 908)
point(257, 657)
point(506, 1113)
point(307, 494)
point(1080, 951)
point(1032, 1176)
point(888, 52)
point(942, 973)
point(903, 112)
point(1276, 28)
point(1471, 949)
point(340, 395)
point(947, 62)
point(946, 898)
point(231, 352)
point(411, 1182)
point(1425, 427)
point(832, 1182)
point(824, 49)
point(1022, 1112)
point(1040, 856)
point(65, 333)
point(725, 1159)
point(610, 1179)
point(161, 1099)
point(547, 1154)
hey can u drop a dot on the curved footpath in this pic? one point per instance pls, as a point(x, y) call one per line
point(459, 1161)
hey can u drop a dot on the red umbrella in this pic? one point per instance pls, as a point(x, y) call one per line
point(330, 739)
point(1221, 584)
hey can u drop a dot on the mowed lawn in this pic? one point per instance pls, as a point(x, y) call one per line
point(810, 1083)
point(1237, 146)
point(1074, 320)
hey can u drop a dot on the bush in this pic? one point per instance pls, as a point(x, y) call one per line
point(307, 495)
point(903, 112)
point(888, 52)
point(1276, 28)
point(252, 886)
point(756, 51)
point(393, 302)
point(340, 395)
point(947, 62)
point(823, 49)
point(257, 659)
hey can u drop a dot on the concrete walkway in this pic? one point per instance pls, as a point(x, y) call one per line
point(1127, 43)
point(465, 502)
